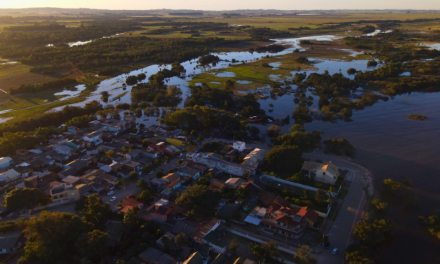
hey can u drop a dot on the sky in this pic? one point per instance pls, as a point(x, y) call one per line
point(225, 4)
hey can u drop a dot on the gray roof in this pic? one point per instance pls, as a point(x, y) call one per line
point(9, 240)
point(155, 256)
point(185, 226)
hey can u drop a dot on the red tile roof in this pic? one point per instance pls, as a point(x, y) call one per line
point(309, 214)
point(287, 220)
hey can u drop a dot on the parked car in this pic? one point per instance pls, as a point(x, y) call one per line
point(113, 198)
point(110, 193)
point(335, 251)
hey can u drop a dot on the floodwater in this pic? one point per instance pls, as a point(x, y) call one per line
point(389, 143)
point(79, 43)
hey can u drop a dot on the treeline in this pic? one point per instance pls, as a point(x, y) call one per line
point(37, 26)
point(112, 52)
point(38, 87)
point(50, 118)
point(264, 34)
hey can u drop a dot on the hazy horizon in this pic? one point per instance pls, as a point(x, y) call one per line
point(217, 5)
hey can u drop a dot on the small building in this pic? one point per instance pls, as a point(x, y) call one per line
point(130, 203)
point(94, 137)
point(134, 154)
point(62, 149)
point(5, 162)
point(64, 194)
point(254, 158)
point(31, 182)
point(214, 239)
point(188, 227)
point(235, 182)
point(239, 145)
point(10, 176)
point(71, 180)
point(10, 242)
point(216, 186)
point(191, 169)
point(159, 242)
point(154, 256)
point(74, 130)
point(322, 172)
point(161, 213)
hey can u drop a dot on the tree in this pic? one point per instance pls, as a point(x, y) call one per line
point(93, 245)
point(245, 175)
point(339, 147)
point(254, 131)
point(156, 163)
point(132, 175)
point(130, 219)
point(190, 214)
point(166, 240)
point(180, 239)
point(146, 168)
point(303, 255)
point(122, 182)
point(143, 185)
point(320, 195)
point(52, 237)
point(273, 131)
point(95, 211)
point(109, 154)
point(24, 198)
point(203, 181)
point(159, 174)
point(378, 205)
point(357, 257)
point(242, 193)
point(372, 233)
point(200, 198)
point(283, 159)
point(306, 193)
point(234, 245)
point(131, 80)
point(265, 252)
point(145, 197)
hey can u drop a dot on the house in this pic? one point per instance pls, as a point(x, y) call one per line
point(62, 149)
point(169, 188)
point(254, 186)
point(115, 230)
point(94, 137)
point(5, 162)
point(206, 228)
point(66, 172)
point(71, 180)
point(64, 194)
point(10, 242)
point(188, 227)
point(231, 155)
point(254, 158)
point(191, 169)
point(226, 149)
point(104, 148)
point(154, 256)
point(309, 214)
point(215, 239)
point(54, 184)
point(283, 220)
point(31, 182)
point(84, 189)
point(134, 154)
point(196, 258)
point(10, 176)
point(99, 180)
point(74, 143)
point(235, 182)
point(74, 130)
point(171, 177)
point(94, 123)
point(213, 160)
point(131, 165)
point(129, 203)
point(216, 185)
point(239, 145)
point(159, 242)
point(322, 172)
point(78, 165)
point(160, 214)
point(220, 259)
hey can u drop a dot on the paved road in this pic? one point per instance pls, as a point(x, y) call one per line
point(341, 229)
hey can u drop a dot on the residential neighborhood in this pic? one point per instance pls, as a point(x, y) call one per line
point(245, 203)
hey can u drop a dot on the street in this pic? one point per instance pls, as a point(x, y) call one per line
point(350, 211)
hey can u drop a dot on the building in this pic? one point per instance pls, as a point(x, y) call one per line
point(160, 214)
point(73, 130)
point(71, 180)
point(10, 176)
point(254, 158)
point(322, 172)
point(188, 227)
point(5, 162)
point(62, 149)
point(31, 182)
point(196, 258)
point(154, 256)
point(191, 169)
point(235, 182)
point(134, 154)
point(216, 185)
point(64, 194)
point(130, 203)
point(214, 238)
point(239, 145)
point(213, 160)
point(94, 137)
point(10, 242)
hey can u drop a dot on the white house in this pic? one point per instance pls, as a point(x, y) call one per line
point(94, 137)
point(5, 162)
point(239, 145)
point(322, 172)
point(10, 175)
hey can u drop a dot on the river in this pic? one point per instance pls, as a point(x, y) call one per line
point(386, 140)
